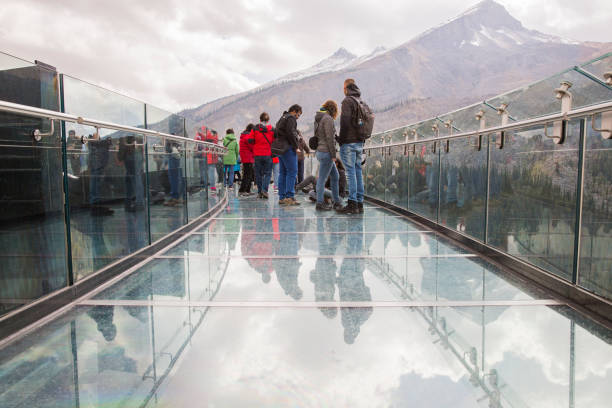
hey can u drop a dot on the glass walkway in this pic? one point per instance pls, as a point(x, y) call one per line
point(269, 306)
point(480, 274)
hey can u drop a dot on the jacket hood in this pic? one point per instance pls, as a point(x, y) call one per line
point(319, 115)
point(229, 137)
point(353, 90)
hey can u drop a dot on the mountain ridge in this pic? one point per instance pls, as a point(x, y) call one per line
point(479, 53)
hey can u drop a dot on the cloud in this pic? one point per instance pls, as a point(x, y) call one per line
point(180, 54)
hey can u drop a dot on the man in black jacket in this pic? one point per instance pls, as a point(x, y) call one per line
point(351, 147)
point(287, 130)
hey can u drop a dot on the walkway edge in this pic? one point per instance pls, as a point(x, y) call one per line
point(29, 317)
point(592, 306)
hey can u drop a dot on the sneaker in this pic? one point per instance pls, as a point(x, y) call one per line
point(283, 201)
point(323, 207)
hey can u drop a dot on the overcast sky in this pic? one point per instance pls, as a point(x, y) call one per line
point(177, 54)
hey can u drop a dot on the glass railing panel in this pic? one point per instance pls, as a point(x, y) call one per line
point(107, 197)
point(397, 170)
point(376, 174)
point(33, 235)
point(599, 66)
point(166, 175)
point(463, 182)
point(197, 196)
point(28, 84)
point(595, 272)
point(424, 130)
point(532, 197)
point(424, 180)
point(539, 99)
point(167, 159)
point(90, 101)
point(465, 119)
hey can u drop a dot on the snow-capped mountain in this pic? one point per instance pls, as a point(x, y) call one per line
point(337, 61)
point(482, 52)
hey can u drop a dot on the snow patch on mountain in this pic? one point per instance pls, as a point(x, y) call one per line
point(339, 60)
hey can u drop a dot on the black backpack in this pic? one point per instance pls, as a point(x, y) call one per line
point(313, 142)
point(364, 119)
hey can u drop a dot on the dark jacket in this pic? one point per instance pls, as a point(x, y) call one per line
point(348, 130)
point(288, 130)
point(326, 132)
point(303, 149)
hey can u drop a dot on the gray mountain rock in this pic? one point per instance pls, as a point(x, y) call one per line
point(480, 53)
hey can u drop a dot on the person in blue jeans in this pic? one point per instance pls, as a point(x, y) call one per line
point(286, 130)
point(325, 130)
point(351, 148)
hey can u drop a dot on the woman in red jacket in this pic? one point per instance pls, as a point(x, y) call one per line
point(263, 136)
point(247, 158)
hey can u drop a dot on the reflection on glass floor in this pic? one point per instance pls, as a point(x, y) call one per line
point(148, 340)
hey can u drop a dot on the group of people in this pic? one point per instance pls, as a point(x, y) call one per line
point(261, 145)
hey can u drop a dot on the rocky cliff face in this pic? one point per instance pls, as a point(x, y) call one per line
point(480, 53)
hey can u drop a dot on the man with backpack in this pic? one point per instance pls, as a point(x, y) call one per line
point(356, 122)
point(263, 136)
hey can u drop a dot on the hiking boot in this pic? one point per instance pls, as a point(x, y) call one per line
point(323, 207)
point(360, 207)
point(351, 208)
point(291, 201)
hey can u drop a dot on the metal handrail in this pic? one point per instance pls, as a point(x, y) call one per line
point(580, 112)
point(53, 115)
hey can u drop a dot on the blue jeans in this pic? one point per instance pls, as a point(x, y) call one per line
point(228, 175)
point(212, 175)
point(263, 171)
point(327, 168)
point(174, 176)
point(351, 158)
point(276, 167)
point(288, 173)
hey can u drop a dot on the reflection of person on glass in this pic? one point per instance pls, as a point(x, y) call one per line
point(174, 172)
point(98, 160)
point(288, 265)
point(351, 284)
point(110, 356)
point(131, 157)
point(324, 275)
point(260, 244)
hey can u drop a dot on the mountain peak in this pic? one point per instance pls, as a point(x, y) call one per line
point(343, 53)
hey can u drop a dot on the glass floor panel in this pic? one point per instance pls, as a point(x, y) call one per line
point(322, 223)
point(128, 356)
point(318, 280)
point(353, 242)
point(252, 311)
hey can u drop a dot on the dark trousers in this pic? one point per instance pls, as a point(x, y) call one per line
point(300, 175)
point(247, 177)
